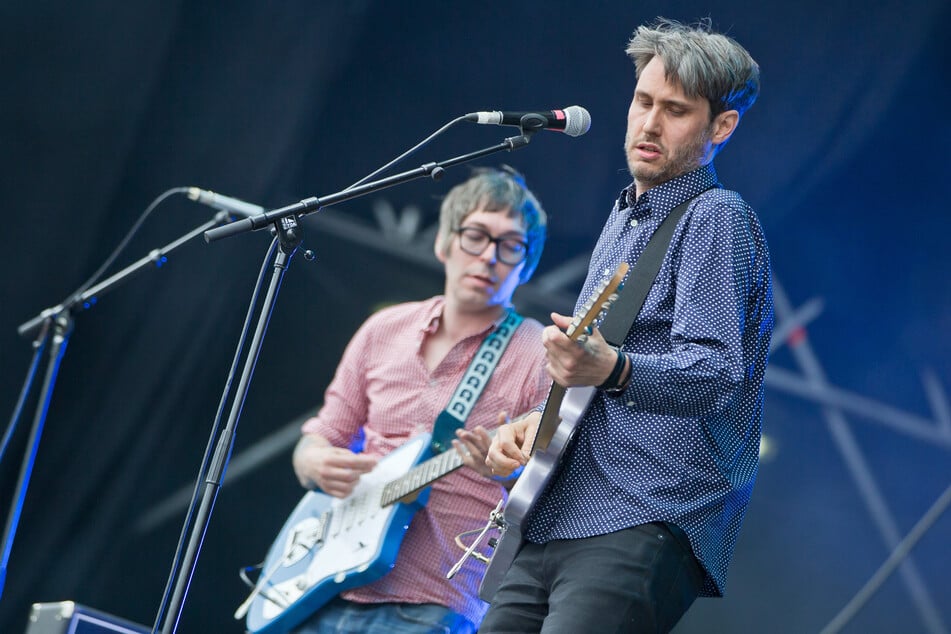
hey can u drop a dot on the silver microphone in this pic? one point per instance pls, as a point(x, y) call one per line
point(573, 120)
point(225, 203)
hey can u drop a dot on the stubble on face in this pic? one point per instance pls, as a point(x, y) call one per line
point(681, 160)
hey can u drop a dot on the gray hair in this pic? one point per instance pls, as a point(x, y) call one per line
point(500, 190)
point(704, 63)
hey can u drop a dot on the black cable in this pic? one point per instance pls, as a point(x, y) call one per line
point(74, 296)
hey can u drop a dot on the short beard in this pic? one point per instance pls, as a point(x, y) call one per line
point(686, 159)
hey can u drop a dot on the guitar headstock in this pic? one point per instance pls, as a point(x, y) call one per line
point(598, 304)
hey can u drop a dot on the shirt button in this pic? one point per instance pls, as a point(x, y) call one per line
point(633, 222)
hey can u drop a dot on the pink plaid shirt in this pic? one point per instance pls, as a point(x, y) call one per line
point(383, 387)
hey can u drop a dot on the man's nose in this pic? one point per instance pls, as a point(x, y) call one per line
point(651, 123)
point(491, 253)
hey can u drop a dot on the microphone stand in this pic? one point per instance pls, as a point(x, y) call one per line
point(310, 205)
point(53, 328)
point(289, 235)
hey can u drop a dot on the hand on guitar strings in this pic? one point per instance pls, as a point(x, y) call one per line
point(334, 470)
point(473, 445)
point(512, 445)
point(584, 360)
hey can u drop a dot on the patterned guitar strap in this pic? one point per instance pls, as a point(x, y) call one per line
point(473, 381)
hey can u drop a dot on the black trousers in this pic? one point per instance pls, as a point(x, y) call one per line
point(640, 579)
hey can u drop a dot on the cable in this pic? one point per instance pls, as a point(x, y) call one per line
point(416, 147)
point(74, 296)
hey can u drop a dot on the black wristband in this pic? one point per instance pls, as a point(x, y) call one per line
point(623, 381)
point(614, 378)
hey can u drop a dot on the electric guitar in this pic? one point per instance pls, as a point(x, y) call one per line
point(330, 544)
point(563, 411)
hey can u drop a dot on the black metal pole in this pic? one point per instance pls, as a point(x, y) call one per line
point(290, 237)
point(289, 233)
point(310, 205)
point(53, 327)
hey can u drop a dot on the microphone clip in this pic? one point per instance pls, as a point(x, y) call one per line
point(532, 122)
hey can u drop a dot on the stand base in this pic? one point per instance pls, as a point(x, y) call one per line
point(67, 617)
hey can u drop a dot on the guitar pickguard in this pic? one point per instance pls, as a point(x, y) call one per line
point(329, 544)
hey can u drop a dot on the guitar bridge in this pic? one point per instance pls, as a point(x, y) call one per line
point(304, 537)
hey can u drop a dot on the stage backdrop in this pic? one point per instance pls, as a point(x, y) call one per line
point(106, 105)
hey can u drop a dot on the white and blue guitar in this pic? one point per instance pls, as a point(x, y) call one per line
point(563, 411)
point(330, 544)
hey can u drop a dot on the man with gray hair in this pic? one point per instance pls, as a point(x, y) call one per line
point(642, 512)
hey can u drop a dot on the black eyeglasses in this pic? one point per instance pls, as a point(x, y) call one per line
point(475, 241)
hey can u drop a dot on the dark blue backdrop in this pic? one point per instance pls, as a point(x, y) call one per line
point(105, 105)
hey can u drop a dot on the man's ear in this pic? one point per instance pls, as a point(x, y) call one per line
point(437, 248)
point(724, 125)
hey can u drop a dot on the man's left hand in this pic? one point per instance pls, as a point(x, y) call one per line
point(473, 445)
point(572, 363)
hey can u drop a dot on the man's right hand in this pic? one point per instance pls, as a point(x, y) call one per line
point(512, 446)
point(335, 471)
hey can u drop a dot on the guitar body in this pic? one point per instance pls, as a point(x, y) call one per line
point(564, 409)
point(523, 496)
point(329, 544)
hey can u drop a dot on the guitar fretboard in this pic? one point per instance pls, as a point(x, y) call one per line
point(420, 476)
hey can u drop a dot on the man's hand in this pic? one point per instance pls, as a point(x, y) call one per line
point(334, 470)
point(473, 445)
point(512, 446)
point(572, 363)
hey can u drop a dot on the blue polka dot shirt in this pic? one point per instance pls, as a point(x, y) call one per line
point(681, 443)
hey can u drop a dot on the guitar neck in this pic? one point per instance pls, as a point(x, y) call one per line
point(550, 418)
point(421, 476)
point(594, 308)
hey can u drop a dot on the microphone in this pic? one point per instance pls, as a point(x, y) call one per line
point(225, 203)
point(573, 120)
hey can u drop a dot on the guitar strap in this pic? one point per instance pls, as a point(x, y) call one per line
point(473, 381)
point(631, 298)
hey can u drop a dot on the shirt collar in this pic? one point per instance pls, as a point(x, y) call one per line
point(668, 195)
point(431, 317)
point(433, 313)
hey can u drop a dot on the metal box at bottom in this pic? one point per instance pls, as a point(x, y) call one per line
point(68, 617)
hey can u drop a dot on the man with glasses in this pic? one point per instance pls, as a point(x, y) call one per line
point(399, 372)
